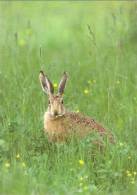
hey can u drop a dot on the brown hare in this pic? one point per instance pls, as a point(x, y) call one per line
point(60, 124)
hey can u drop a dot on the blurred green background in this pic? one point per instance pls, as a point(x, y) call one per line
point(96, 43)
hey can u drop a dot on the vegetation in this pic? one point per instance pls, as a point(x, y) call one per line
point(96, 43)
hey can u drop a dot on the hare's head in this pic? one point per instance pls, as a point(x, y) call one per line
point(55, 107)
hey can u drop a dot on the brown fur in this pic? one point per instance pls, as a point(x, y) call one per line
point(59, 124)
point(71, 123)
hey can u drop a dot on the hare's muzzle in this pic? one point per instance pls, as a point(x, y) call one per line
point(55, 113)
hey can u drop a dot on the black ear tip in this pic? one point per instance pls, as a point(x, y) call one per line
point(65, 73)
point(41, 72)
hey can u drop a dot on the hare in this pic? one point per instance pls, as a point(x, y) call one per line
point(60, 124)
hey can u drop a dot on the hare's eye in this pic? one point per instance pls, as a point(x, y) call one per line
point(49, 102)
point(62, 101)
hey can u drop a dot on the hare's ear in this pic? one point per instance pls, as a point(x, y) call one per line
point(46, 84)
point(62, 84)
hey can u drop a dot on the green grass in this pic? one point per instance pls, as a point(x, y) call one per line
point(54, 36)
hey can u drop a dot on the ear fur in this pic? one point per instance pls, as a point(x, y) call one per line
point(62, 84)
point(46, 84)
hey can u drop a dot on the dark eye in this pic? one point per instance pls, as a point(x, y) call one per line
point(49, 102)
point(62, 101)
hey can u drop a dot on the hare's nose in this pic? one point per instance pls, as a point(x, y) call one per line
point(55, 113)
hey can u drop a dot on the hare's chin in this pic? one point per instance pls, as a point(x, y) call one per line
point(57, 116)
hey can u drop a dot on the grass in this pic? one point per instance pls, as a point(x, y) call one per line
point(95, 42)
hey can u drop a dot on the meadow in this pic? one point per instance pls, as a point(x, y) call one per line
point(96, 43)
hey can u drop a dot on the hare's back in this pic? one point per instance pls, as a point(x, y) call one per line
point(85, 125)
point(78, 119)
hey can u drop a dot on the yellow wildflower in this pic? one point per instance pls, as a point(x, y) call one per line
point(129, 174)
point(81, 178)
point(134, 172)
point(121, 144)
point(81, 162)
point(7, 165)
point(23, 164)
point(85, 188)
point(55, 85)
point(86, 91)
point(17, 156)
point(77, 110)
point(22, 42)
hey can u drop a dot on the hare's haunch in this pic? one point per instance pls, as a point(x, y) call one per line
point(60, 124)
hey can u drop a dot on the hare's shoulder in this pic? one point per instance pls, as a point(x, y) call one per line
point(87, 121)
